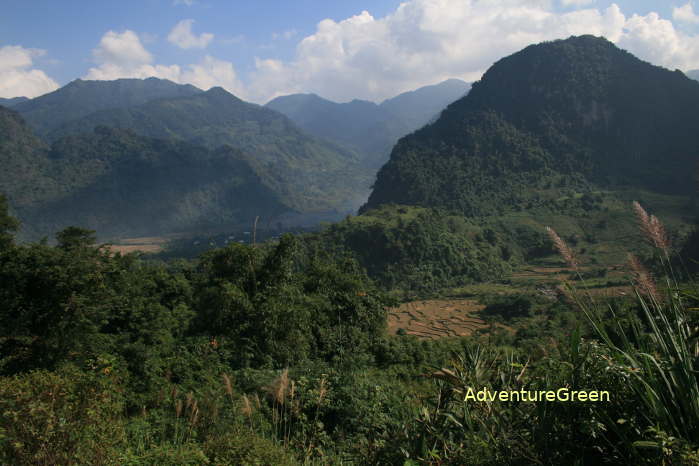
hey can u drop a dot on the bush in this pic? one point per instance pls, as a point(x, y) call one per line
point(65, 417)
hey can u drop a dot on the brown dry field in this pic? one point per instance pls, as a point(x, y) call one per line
point(151, 244)
point(436, 318)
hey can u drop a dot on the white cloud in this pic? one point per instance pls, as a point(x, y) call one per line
point(424, 41)
point(184, 2)
point(286, 35)
point(182, 36)
point(577, 3)
point(656, 40)
point(18, 78)
point(685, 14)
point(121, 49)
point(122, 55)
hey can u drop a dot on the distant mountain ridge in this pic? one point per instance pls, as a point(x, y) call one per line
point(367, 128)
point(120, 183)
point(12, 101)
point(558, 117)
point(309, 174)
point(79, 98)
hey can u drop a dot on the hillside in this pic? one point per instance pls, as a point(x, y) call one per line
point(119, 183)
point(80, 98)
point(549, 126)
point(367, 128)
point(307, 173)
point(25, 164)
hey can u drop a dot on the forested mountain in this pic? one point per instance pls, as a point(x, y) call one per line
point(307, 173)
point(12, 101)
point(80, 98)
point(120, 183)
point(369, 129)
point(24, 162)
point(556, 119)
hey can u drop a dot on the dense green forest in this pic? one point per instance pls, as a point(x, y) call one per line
point(570, 115)
point(278, 354)
point(309, 174)
point(518, 215)
point(124, 184)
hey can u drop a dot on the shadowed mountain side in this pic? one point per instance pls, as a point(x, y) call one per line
point(556, 119)
point(120, 183)
point(308, 174)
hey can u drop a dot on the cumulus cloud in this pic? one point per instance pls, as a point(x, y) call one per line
point(424, 41)
point(685, 14)
point(122, 55)
point(182, 36)
point(18, 78)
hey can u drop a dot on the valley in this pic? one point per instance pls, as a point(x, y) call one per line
point(187, 277)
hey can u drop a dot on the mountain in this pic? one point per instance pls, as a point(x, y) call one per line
point(12, 101)
point(24, 162)
point(122, 184)
point(80, 98)
point(308, 174)
point(364, 127)
point(694, 74)
point(416, 108)
point(549, 126)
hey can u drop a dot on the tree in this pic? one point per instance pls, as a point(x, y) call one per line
point(8, 224)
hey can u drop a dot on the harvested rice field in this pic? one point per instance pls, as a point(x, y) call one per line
point(436, 318)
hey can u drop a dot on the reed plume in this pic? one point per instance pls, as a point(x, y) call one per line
point(247, 408)
point(562, 248)
point(280, 386)
point(643, 279)
point(228, 385)
point(652, 228)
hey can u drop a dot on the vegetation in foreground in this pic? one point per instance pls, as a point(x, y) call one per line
point(279, 355)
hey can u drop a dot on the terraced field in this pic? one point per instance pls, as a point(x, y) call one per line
point(436, 318)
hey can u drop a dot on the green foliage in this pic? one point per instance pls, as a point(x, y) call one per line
point(419, 250)
point(8, 225)
point(279, 310)
point(65, 417)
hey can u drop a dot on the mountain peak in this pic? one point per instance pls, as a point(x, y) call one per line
point(577, 110)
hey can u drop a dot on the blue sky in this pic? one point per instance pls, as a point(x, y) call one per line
point(338, 49)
